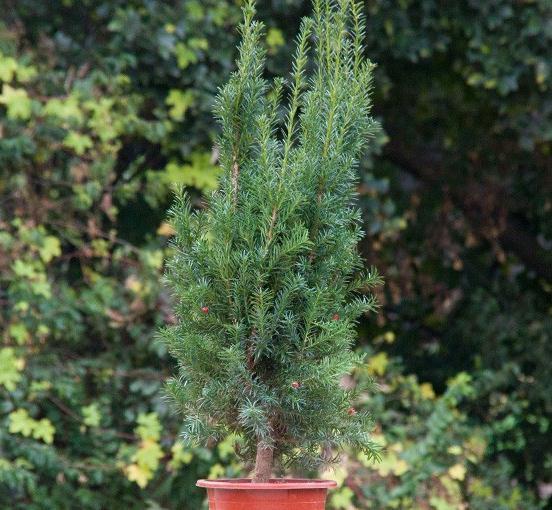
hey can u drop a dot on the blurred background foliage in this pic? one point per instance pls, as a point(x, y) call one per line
point(104, 104)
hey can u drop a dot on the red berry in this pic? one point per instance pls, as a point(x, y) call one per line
point(335, 317)
point(351, 411)
point(205, 309)
point(295, 385)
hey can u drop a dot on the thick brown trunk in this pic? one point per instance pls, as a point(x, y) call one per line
point(263, 463)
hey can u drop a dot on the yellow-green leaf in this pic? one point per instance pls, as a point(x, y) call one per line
point(25, 73)
point(91, 415)
point(427, 392)
point(138, 474)
point(198, 43)
point(389, 337)
point(10, 368)
point(148, 455)
point(50, 248)
point(19, 332)
point(179, 101)
point(274, 38)
point(216, 471)
point(378, 363)
point(17, 102)
point(65, 109)
point(180, 456)
point(184, 55)
point(148, 426)
point(200, 173)
point(454, 450)
point(21, 423)
point(23, 269)
point(78, 142)
point(43, 429)
point(8, 65)
point(457, 472)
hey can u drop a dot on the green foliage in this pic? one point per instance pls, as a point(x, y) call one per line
point(434, 456)
point(267, 279)
point(10, 368)
point(84, 424)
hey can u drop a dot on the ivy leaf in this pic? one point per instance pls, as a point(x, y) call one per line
point(216, 472)
point(148, 455)
point(454, 450)
point(26, 73)
point(19, 332)
point(78, 142)
point(148, 426)
point(146, 459)
point(201, 173)
point(21, 423)
point(377, 364)
point(198, 43)
point(274, 39)
point(8, 66)
point(23, 269)
point(10, 366)
point(91, 415)
point(427, 391)
point(179, 456)
point(138, 474)
point(50, 248)
point(65, 109)
point(43, 429)
point(184, 55)
point(180, 102)
point(16, 101)
point(457, 472)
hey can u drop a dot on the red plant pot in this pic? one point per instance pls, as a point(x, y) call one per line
point(277, 494)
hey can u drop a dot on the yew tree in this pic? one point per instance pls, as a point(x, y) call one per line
point(267, 279)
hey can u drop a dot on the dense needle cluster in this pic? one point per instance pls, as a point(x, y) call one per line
point(267, 279)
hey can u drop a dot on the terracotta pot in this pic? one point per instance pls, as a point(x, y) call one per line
point(277, 494)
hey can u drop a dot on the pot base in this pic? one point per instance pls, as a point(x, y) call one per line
point(277, 494)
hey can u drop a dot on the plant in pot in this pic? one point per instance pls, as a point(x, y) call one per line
point(266, 277)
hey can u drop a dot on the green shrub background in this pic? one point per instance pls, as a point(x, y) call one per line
point(105, 104)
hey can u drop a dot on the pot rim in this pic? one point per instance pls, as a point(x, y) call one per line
point(272, 484)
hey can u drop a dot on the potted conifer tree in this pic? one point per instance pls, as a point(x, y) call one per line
point(267, 279)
